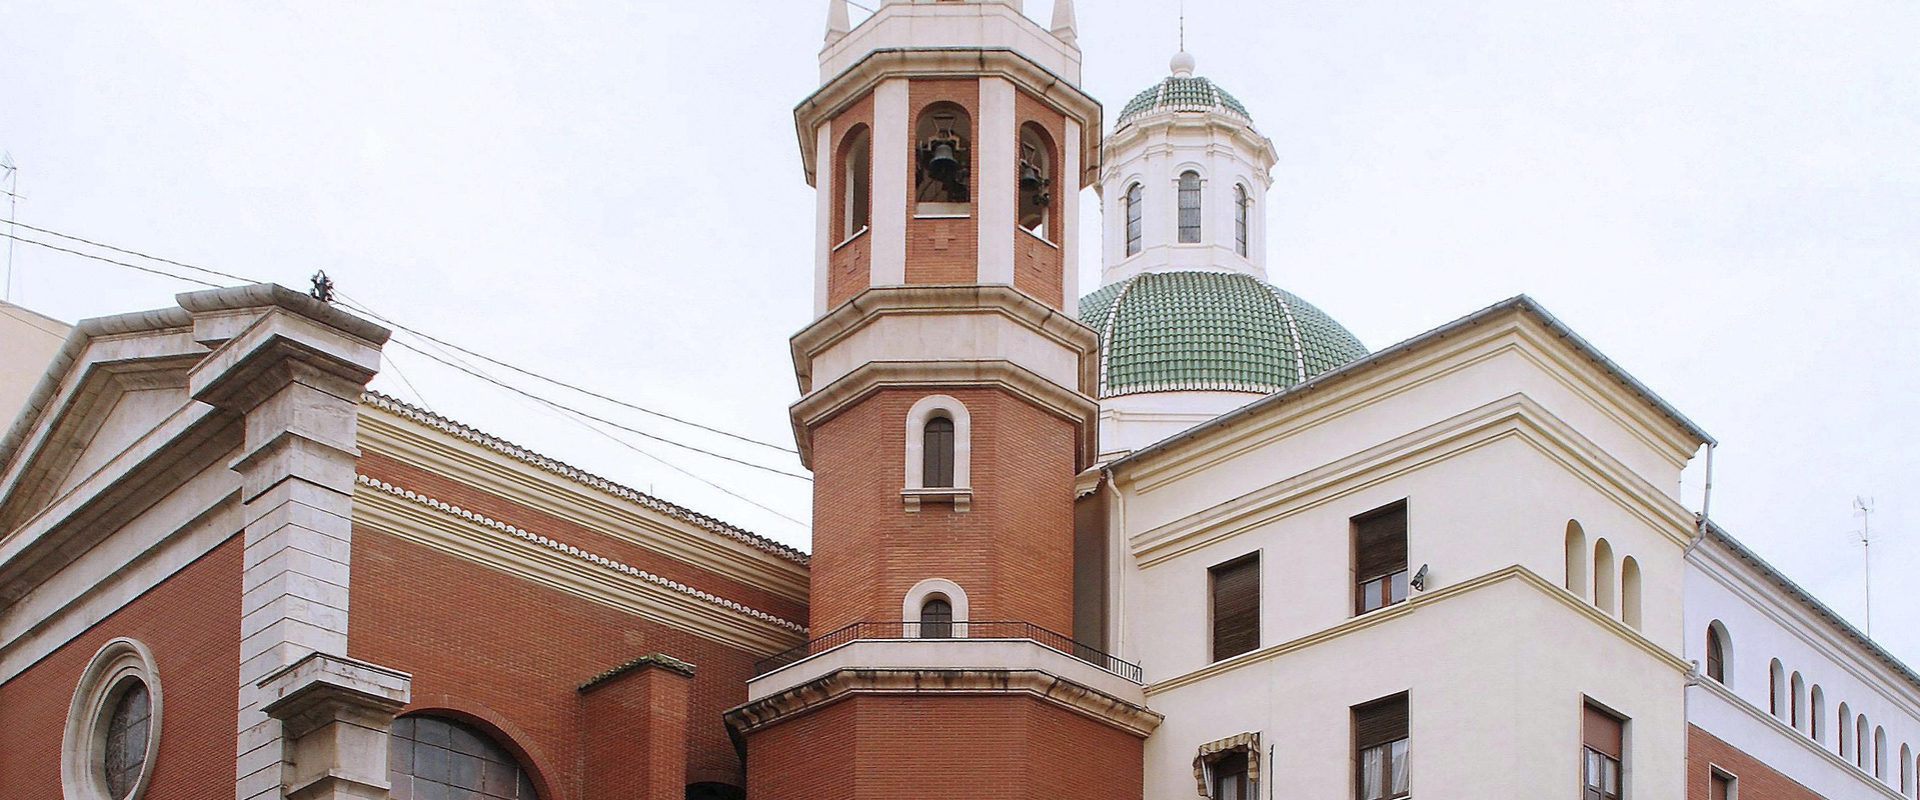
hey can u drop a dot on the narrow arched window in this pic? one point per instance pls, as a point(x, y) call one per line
point(1846, 731)
point(936, 619)
point(1189, 207)
point(1133, 219)
point(1576, 559)
point(1880, 752)
point(936, 469)
point(1777, 689)
point(1034, 197)
point(1241, 205)
point(1716, 653)
point(1604, 584)
point(1862, 741)
point(1630, 592)
point(856, 183)
point(1817, 714)
point(1906, 769)
point(1799, 708)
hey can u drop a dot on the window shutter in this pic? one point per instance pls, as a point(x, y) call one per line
point(1722, 788)
point(1380, 542)
point(1380, 722)
point(1603, 732)
point(1236, 607)
point(936, 470)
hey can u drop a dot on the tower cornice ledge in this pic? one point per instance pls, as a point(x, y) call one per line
point(1041, 685)
point(850, 388)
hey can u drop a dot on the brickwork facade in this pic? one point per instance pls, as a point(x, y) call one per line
point(1755, 780)
point(635, 735)
point(1012, 551)
point(1038, 263)
point(944, 250)
point(850, 264)
point(191, 623)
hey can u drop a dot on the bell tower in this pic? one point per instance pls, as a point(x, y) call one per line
point(946, 411)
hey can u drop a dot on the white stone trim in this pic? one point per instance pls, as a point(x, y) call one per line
point(119, 660)
point(887, 258)
point(917, 597)
point(577, 553)
point(917, 417)
point(997, 147)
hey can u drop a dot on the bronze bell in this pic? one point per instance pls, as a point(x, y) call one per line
point(942, 163)
point(1030, 176)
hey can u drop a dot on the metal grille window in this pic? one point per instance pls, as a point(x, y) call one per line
point(1380, 557)
point(936, 619)
point(431, 757)
point(1380, 744)
point(1189, 207)
point(1241, 203)
point(1601, 771)
point(128, 726)
point(1133, 219)
point(1236, 606)
point(936, 470)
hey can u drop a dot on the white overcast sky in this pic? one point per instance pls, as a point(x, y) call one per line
point(1721, 196)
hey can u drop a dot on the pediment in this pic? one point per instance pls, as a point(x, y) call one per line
point(113, 393)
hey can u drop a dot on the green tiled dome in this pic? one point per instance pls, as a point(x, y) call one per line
point(1182, 93)
point(1218, 331)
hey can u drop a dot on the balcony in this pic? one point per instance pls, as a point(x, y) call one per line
point(897, 646)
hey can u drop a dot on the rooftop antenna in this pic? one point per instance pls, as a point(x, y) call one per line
point(1183, 26)
point(1864, 507)
point(11, 175)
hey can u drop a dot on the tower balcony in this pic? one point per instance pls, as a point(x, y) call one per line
point(914, 652)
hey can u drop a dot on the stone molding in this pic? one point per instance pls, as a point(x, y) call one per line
point(874, 376)
point(754, 716)
point(695, 610)
point(336, 717)
point(118, 660)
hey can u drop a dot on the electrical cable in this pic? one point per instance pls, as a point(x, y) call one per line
point(361, 307)
point(149, 270)
point(213, 272)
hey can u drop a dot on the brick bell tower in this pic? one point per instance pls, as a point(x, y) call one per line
point(945, 413)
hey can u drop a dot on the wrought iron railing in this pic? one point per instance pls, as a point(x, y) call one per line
point(993, 629)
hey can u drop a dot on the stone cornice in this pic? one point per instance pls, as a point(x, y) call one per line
point(1419, 601)
point(1043, 686)
point(541, 559)
point(1053, 91)
point(968, 298)
point(873, 376)
point(419, 444)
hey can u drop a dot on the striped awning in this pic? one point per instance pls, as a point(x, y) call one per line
point(1248, 743)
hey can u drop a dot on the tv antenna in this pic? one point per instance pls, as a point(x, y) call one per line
point(10, 177)
point(1863, 506)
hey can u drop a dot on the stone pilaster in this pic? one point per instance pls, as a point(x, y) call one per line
point(335, 715)
point(294, 368)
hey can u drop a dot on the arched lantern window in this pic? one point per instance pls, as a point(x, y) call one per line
point(943, 147)
point(1189, 207)
point(936, 619)
point(856, 182)
point(1133, 219)
point(1034, 190)
point(1242, 204)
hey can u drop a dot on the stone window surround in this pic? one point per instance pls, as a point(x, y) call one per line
point(931, 588)
point(119, 660)
point(916, 490)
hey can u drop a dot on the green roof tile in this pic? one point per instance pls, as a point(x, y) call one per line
point(1182, 94)
point(1198, 331)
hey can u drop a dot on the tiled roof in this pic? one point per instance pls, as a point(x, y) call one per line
point(1178, 93)
point(1218, 331)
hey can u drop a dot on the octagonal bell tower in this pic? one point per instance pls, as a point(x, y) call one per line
point(946, 411)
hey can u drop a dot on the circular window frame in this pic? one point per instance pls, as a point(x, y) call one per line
point(83, 748)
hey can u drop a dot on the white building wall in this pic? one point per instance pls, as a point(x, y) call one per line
point(28, 342)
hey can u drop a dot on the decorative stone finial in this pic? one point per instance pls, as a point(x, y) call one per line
point(1063, 22)
point(837, 25)
point(1182, 64)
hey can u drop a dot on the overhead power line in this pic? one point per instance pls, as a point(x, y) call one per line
point(214, 272)
point(148, 270)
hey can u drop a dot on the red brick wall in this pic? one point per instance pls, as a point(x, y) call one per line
point(512, 654)
point(1756, 781)
point(988, 747)
point(636, 735)
point(1037, 267)
point(849, 267)
point(944, 250)
point(386, 468)
point(1012, 552)
point(191, 623)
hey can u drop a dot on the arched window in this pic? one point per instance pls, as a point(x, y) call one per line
point(1880, 752)
point(936, 468)
point(1241, 205)
point(1799, 708)
point(1862, 741)
point(1717, 652)
point(439, 757)
point(113, 726)
point(943, 147)
point(936, 619)
point(1906, 769)
point(1133, 219)
point(1577, 560)
point(1847, 745)
point(856, 182)
point(1034, 190)
point(1630, 592)
point(1189, 207)
point(1777, 689)
point(1603, 581)
point(1817, 714)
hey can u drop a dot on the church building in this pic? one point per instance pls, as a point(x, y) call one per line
point(1177, 535)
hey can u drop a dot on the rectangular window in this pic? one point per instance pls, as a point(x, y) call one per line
point(1230, 778)
point(1380, 749)
point(1380, 557)
point(1601, 773)
point(1236, 606)
point(1722, 787)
